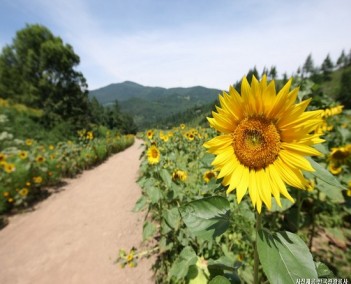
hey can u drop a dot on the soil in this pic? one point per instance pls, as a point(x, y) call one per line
point(74, 236)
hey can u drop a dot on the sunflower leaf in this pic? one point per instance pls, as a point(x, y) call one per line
point(207, 218)
point(180, 266)
point(323, 174)
point(333, 192)
point(166, 177)
point(285, 258)
point(149, 229)
point(219, 279)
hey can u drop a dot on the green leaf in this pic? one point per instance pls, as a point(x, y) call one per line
point(154, 193)
point(198, 274)
point(149, 230)
point(323, 174)
point(286, 204)
point(207, 159)
point(323, 270)
point(207, 218)
point(284, 257)
point(166, 177)
point(333, 192)
point(219, 279)
point(172, 217)
point(140, 204)
point(224, 263)
point(180, 266)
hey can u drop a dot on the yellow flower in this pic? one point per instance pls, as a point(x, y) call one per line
point(90, 135)
point(182, 126)
point(332, 111)
point(340, 153)
point(179, 175)
point(149, 134)
point(39, 159)
point(334, 168)
point(51, 147)
point(2, 157)
point(310, 185)
point(164, 138)
point(23, 155)
point(208, 175)
point(348, 191)
point(9, 168)
point(190, 136)
point(265, 138)
point(24, 192)
point(29, 142)
point(6, 194)
point(38, 179)
point(153, 155)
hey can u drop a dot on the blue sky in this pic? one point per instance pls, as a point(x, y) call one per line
point(172, 43)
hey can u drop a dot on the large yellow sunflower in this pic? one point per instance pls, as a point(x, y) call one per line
point(153, 155)
point(264, 140)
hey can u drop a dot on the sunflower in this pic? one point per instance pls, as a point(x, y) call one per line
point(208, 175)
point(190, 136)
point(340, 153)
point(29, 142)
point(39, 159)
point(2, 157)
point(179, 175)
point(153, 155)
point(38, 179)
point(23, 155)
point(9, 167)
point(24, 192)
point(149, 134)
point(264, 140)
point(348, 191)
point(334, 168)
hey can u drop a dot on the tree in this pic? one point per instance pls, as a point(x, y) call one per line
point(327, 68)
point(342, 60)
point(264, 71)
point(252, 72)
point(344, 95)
point(115, 119)
point(308, 67)
point(37, 69)
point(273, 73)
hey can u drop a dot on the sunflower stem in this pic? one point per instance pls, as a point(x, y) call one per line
point(256, 259)
point(298, 203)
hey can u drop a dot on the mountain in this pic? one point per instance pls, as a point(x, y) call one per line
point(149, 105)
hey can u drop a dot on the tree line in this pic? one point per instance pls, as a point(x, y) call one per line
point(39, 70)
point(318, 74)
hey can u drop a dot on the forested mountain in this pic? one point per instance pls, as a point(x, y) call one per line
point(148, 105)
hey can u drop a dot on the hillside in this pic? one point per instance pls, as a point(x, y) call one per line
point(148, 105)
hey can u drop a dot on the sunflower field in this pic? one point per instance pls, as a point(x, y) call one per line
point(28, 168)
point(262, 196)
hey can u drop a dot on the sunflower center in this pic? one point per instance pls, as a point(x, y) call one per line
point(256, 142)
point(154, 154)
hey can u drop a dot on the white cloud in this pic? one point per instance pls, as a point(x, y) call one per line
point(211, 51)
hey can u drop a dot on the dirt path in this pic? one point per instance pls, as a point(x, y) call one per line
point(74, 236)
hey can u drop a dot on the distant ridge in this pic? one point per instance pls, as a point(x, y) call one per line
point(148, 105)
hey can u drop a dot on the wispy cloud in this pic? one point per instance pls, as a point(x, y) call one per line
point(212, 43)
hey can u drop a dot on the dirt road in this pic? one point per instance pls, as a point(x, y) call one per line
point(74, 236)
